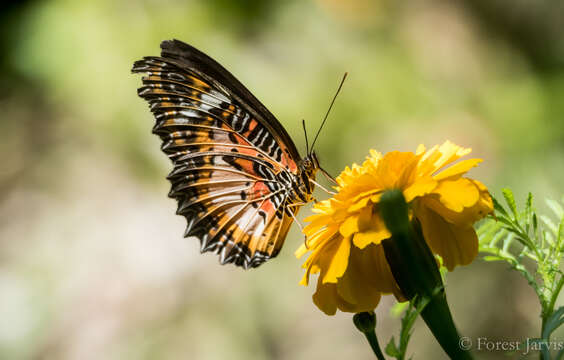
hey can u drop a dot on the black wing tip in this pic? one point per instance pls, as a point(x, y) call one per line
point(175, 45)
point(179, 50)
point(170, 46)
point(167, 44)
point(238, 255)
point(242, 259)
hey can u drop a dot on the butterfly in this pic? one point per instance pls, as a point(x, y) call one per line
point(237, 176)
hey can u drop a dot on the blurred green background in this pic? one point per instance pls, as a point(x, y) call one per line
point(92, 260)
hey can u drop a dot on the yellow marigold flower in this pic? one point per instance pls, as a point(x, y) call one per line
point(345, 233)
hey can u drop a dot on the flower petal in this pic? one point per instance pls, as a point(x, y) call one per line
point(301, 251)
point(359, 203)
point(350, 226)
point(450, 152)
point(345, 235)
point(363, 239)
point(354, 288)
point(325, 298)
point(420, 187)
point(335, 262)
point(458, 169)
point(420, 149)
point(457, 245)
point(458, 194)
point(468, 215)
point(373, 232)
point(385, 281)
point(440, 156)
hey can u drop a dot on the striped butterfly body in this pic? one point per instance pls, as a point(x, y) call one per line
point(237, 176)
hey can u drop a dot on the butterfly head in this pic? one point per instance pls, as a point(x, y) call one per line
point(307, 169)
point(310, 164)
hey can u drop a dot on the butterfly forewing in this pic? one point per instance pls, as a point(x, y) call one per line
point(234, 163)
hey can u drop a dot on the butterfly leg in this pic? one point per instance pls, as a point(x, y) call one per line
point(323, 188)
point(295, 219)
point(299, 224)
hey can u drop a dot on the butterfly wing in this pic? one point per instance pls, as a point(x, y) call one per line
point(233, 161)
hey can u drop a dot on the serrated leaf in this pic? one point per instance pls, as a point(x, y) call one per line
point(510, 200)
point(508, 222)
point(498, 207)
point(541, 239)
point(528, 210)
point(560, 236)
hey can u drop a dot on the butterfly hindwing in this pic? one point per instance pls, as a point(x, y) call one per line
point(233, 161)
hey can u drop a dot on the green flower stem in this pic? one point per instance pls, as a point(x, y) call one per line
point(365, 322)
point(373, 341)
point(436, 315)
point(416, 273)
point(550, 308)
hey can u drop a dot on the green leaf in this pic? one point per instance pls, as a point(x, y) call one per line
point(560, 235)
point(489, 249)
point(507, 242)
point(493, 258)
point(556, 208)
point(505, 220)
point(520, 235)
point(399, 308)
point(528, 211)
point(499, 208)
point(487, 227)
point(529, 203)
point(510, 200)
point(391, 349)
point(495, 240)
point(551, 225)
point(489, 234)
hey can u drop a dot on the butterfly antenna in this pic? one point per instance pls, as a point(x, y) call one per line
point(305, 133)
point(329, 110)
